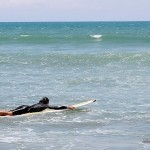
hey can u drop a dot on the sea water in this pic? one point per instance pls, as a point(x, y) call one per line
point(69, 63)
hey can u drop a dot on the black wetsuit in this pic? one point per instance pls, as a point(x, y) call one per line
point(34, 108)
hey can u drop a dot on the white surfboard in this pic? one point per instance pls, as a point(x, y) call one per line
point(53, 110)
point(83, 103)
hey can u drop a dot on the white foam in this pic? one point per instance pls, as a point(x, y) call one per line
point(97, 36)
point(9, 139)
point(25, 35)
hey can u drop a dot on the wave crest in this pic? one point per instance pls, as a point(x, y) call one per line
point(96, 36)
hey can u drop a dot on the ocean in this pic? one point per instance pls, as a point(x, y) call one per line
point(70, 62)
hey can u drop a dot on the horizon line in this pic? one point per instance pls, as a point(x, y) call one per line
point(73, 21)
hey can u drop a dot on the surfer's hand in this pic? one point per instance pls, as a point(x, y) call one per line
point(71, 107)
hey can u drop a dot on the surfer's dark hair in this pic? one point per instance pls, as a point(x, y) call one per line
point(44, 100)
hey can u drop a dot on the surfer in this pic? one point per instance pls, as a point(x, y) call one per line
point(40, 106)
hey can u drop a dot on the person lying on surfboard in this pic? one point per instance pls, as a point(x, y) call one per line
point(40, 106)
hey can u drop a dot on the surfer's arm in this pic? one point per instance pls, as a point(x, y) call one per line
point(71, 107)
point(57, 107)
point(61, 107)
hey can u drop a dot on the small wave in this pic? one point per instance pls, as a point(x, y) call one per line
point(146, 140)
point(96, 36)
point(9, 139)
point(24, 35)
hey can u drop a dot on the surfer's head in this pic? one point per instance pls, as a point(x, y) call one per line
point(44, 100)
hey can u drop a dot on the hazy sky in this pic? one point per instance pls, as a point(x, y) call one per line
point(74, 10)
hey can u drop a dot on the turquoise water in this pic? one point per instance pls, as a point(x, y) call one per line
point(70, 63)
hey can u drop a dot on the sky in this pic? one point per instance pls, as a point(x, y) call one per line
point(74, 10)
